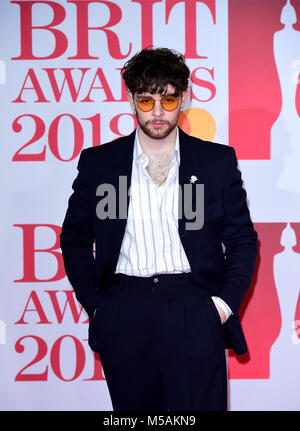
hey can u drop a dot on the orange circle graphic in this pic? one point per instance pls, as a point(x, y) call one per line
point(199, 123)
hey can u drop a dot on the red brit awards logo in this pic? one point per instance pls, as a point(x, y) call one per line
point(263, 122)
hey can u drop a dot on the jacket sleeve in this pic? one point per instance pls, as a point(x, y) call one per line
point(238, 237)
point(76, 241)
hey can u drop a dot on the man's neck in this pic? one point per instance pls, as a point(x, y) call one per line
point(154, 147)
point(159, 152)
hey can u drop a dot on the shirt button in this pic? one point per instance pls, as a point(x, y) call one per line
point(155, 280)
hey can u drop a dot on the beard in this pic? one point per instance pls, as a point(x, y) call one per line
point(157, 133)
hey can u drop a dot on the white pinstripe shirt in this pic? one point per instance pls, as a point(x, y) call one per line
point(151, 243)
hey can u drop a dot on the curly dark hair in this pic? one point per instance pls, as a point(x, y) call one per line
point(151, 70)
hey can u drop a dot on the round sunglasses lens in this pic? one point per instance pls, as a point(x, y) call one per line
point(145, 103)
point(169, 103)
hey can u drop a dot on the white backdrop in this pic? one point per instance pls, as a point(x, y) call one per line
point(61, 91)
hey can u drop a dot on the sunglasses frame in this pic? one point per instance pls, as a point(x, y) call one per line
point(155, 100)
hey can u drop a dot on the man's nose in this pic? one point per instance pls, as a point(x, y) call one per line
point(157, 109)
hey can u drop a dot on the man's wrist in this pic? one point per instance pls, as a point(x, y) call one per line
point(222, 304)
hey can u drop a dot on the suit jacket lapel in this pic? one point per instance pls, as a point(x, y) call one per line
point(122, 181)
point(190, 167)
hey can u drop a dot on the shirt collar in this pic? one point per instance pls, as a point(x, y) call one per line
point(140, 155)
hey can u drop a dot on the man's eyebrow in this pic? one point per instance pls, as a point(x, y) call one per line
point(151, 95)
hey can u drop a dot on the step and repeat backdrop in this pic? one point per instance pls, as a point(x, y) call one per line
point(61, 91)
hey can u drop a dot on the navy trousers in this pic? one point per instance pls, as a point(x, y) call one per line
point(160, 345)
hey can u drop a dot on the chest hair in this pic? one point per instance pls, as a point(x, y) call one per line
point(158, 167)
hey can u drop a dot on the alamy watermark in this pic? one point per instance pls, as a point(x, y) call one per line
point(2, 72)
point(2, 332)
point(296, 332)
point(107, 206)
point(296, 74)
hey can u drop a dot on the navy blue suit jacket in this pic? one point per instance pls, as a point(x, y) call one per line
point(224, 271)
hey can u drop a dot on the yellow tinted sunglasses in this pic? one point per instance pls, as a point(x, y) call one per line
point(146, 103)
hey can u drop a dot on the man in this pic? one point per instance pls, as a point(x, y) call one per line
point(162, 295)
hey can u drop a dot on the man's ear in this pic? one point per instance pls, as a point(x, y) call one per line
point(184, 97)
point(130, 100)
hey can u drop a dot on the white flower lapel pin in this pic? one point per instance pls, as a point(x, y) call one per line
point(193, 179)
